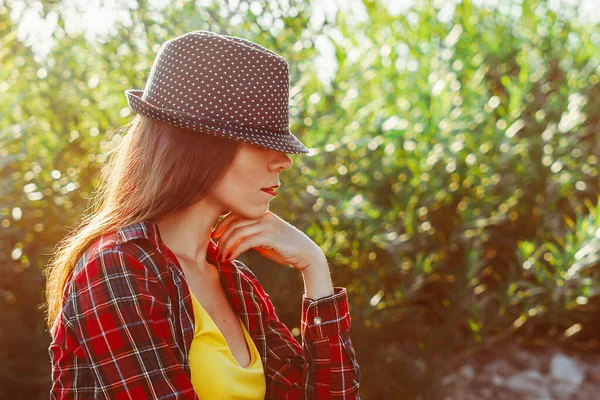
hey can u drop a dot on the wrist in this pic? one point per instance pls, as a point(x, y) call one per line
point(317, 278)
point(317, 262)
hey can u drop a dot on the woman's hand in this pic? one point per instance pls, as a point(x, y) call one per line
point(270, 235)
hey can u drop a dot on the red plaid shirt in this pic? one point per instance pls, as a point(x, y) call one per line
point(127, 323)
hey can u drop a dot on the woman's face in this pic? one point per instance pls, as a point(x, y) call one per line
point(253, 168)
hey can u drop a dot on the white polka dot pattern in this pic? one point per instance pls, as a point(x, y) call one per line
point(221, 85)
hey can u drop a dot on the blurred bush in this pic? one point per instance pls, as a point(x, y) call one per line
point(453, 182)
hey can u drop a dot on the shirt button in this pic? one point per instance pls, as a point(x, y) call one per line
point(317, 320)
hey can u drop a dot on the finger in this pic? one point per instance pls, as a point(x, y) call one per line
point(224, 223)
point(244, 245)
point(237, 237)
point(233, 235)
point(232, 227)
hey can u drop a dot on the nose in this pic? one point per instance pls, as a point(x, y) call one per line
point(281, 161)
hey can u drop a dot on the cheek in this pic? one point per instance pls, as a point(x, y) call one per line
point(247, 177)
point(238, 192)
point(243, 179)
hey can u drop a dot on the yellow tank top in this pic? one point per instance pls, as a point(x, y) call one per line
point(216, 374)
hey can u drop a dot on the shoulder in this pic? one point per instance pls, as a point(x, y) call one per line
point(137, 242)
point(106, 258)
point(115, 279)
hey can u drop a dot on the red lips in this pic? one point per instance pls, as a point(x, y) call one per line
point(270, 190)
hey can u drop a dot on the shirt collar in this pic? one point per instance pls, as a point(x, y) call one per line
point(148, 229)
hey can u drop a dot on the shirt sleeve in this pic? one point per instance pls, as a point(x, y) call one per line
point(325, 366)
point(117, 312)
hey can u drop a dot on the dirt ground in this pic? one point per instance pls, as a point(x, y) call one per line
point(514, 372)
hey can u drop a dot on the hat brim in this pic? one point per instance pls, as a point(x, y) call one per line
point(281, 141)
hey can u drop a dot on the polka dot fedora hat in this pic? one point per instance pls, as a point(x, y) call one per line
point(222, 85)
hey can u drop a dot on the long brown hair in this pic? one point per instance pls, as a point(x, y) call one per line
point(154, 169)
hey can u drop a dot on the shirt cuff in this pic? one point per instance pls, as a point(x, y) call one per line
point(327, 316)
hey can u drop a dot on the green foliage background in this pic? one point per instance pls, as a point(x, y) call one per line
point(453, 183)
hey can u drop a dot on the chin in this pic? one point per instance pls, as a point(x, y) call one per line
point(256, 213)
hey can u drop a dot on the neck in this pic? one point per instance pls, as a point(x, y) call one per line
point(187, 233)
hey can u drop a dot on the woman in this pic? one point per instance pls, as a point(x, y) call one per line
point(142, 303)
